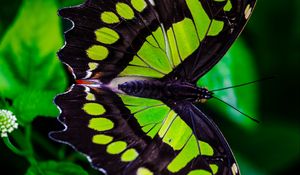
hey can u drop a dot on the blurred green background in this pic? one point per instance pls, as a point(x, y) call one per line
point(31, 75)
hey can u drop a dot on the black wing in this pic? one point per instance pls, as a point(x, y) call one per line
point(92, 53)
point(206, 130)
point(111, 57)
point(114, 137)
point(213, 48)
point(83, 136)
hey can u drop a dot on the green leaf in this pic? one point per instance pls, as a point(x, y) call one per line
point(235, 68)
point(56, 168)
point(31, 74)
point(28, 50)
point(30, 104)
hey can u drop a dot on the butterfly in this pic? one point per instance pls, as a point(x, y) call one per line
point(136, 63)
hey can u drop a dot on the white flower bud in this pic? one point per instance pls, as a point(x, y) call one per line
point(7, 122)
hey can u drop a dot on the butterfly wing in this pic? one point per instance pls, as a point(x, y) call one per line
point(218, 26)
point(125, 135)
point(158, 39)
point(207, 131)
point(104, 32)
point(98, 125)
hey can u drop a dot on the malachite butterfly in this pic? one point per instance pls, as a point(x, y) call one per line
point(136, 63)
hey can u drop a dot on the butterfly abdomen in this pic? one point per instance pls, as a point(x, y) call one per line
point(143, 88)
point(171, 91)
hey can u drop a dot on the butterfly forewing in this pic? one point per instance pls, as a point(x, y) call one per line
point(191, 31)
point(218, 24)
point(107, 33)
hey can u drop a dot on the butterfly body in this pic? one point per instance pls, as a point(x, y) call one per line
point(170, 91)
point(136, 64)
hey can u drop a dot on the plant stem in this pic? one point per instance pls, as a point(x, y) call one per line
point(30, 157)
point(13, 148)
point(23, 140)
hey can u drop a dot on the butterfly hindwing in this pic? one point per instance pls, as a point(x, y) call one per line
point(116, 137)
point(136, 133)
point(98, 125)
point(222, 160)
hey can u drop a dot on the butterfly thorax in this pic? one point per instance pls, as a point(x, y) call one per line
point(175, 91)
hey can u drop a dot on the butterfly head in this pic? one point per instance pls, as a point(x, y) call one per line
point(203, 95)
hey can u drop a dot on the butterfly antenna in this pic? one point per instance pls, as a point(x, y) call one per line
point(244, 84)
point(253, 119)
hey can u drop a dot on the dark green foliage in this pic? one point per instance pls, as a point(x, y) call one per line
point(30, 73)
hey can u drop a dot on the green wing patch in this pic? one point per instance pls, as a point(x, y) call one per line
point(163, 50)
point(158, 120)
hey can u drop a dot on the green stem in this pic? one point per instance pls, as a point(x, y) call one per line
point(23, 141)
point(28, 138)
point(30, 157)
point(28, 154)
point(13, 148)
